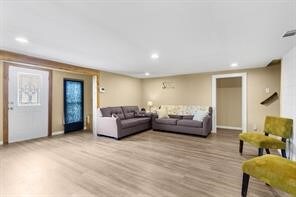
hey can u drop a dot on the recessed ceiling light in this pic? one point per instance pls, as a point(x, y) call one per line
point(22, 40)
point(154, 56)
point(147, 74)
point(234, 64)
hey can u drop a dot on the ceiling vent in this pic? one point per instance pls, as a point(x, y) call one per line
point(290, 33)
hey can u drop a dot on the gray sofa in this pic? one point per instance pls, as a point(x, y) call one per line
point(118, 122)
point(184, 124)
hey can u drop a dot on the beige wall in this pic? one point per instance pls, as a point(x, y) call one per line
point(188, 89)
point(1, 101)
point(229, 102)
point(185, 89)
point(119, 90)
point(58, 101)
point(196, 89)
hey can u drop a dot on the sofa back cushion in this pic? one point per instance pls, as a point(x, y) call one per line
point(175, 116)
point(109, 111)
point(189, 112)
point(130, 111)
point(187, 117)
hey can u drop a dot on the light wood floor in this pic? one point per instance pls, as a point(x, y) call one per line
point(147, 164)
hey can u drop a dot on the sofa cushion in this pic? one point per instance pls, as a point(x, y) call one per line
point(189, 123)
point(130, 111)
point(170, 121)
point(175, 116)
point(132, 122)
point(129, 115)
point(187, 117)
point(109, 111)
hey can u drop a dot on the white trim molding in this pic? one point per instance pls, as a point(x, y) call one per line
point(94, 104)
point(228, 127)
point(58, 133)
point(244, 98)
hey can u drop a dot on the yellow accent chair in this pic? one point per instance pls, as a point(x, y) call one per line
point(281, 127)
point(274, 170)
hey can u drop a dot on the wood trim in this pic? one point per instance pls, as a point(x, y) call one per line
point(49, 64)
point(50, 103)
point(39, 63)
point(5, 103)
point(5, 97)
point(98, 92)
point(244, 78)
point(26, 66)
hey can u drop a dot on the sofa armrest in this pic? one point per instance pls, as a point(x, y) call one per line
point(154, 116)
point(207, 124)
point(108, 126)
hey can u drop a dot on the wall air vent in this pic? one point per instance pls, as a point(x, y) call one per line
point(290, 33)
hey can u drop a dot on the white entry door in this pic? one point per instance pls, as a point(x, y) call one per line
point(28, 104)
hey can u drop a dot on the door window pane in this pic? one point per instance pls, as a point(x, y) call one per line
point(74, 102)
point(28, 86)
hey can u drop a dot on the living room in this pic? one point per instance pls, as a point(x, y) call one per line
point(161, 98)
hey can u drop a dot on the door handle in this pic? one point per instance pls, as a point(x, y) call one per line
point(10, 108)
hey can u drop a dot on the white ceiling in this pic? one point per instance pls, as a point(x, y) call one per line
point(119, 36)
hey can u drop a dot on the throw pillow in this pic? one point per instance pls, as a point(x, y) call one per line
point(114, 116)
point(162, 113)
point(118, 115)
point(140, 114)
point(200, 115)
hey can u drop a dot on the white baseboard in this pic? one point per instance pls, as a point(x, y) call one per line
point(1, 142)
point(58, 133)
point(227, 127)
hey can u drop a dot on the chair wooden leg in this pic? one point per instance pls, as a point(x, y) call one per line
point(260, 151)
point(267, 150)
point(284, 153)
point(241, 145)
point(245, 184)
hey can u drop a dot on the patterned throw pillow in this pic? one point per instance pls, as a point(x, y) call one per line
point(199, 115)
point(162, 113)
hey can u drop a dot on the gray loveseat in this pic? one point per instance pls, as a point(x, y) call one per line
point(184, 124)
point(118, 122)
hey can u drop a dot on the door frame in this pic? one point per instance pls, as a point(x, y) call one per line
point(6, 66)
point(244, 98)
